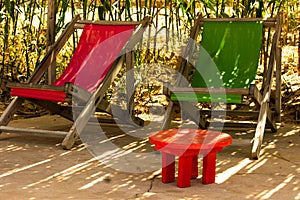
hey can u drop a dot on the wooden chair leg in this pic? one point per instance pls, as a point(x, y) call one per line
point(256, 147)
point(80, 123)
point(130, 109)
point(70, 138)
point(259, 133)
point(271, 121)
point(168, 116)
point(8, 113)
point(194, 114)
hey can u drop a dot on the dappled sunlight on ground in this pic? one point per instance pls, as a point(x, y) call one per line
point(38, 168)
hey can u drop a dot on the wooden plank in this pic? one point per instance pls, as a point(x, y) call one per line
point(271, 68)
point(10, 110)
point(51, 18)
point(278, 99)
point(228, 124)
point(235, 124)
point(35, 132)
point(105, 22)
point(236, 113)
point(274, 20)
point(189, 90)
point(168, 116)
point(270, 22)
point(130, 89)
point(264, 109)
point(45, 63)
point(80, 23)
point(34, 86)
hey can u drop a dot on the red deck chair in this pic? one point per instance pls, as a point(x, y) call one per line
point(97, 59)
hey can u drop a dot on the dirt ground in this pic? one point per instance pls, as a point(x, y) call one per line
point(38, 168)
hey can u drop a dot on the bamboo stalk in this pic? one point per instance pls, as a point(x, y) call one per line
point(299, 53)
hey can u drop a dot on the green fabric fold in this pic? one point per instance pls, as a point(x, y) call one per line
point(228, 57)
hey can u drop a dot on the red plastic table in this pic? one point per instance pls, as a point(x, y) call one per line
point(187, 144)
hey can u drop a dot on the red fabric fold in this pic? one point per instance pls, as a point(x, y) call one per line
point(98, 47)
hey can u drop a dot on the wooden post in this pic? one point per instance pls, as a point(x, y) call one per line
point(299, 54)
point(278, 100)
point(51, 18)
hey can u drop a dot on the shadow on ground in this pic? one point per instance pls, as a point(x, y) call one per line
point(115, 168)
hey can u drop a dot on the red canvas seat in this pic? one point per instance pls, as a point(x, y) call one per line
point(99, 46)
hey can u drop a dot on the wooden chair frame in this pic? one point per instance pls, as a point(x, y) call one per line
point(266, 116)
point(92, 100)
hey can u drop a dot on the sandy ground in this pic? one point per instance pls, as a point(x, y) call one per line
point(38, 168)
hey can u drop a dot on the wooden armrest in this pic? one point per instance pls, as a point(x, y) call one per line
point(190, 90)
point(34, 86)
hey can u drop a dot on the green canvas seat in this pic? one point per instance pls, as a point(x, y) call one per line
point(233, 50)
point(221, 71)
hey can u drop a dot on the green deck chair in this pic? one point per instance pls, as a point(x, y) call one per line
point(225, 72)
point(233, 50)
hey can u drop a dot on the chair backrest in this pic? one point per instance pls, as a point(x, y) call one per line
point(229, 55)
point(98, 47)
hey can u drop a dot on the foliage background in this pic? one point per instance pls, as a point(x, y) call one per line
point(23, 22)
point(23, 27)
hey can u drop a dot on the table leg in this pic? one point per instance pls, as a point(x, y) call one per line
point(184, 171)
point(209, 167)
point(168, 168)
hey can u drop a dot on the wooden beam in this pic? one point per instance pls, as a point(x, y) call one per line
point(55, 48)
point(51, 18)
point(31, 131)
point(81, 23)
point(233, 113)
point(189, 90)
point(8, 113)
point(264, 109)
point(278, 100)
point(34, 86)
point(269, 22)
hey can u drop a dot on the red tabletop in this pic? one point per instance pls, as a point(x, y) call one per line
point(187, 144)
point(191, 139)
